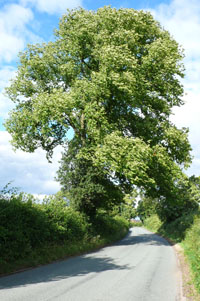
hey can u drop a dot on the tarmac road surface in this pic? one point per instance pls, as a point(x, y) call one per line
point(141, 267)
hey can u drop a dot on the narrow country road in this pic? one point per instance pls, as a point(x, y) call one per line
point(140, 267)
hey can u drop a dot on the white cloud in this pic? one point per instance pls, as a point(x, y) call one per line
point(13, 36)
point(53, 6)
point(188, 116)
point(6, 73)
point(13, 32)
point(30, 172)
point(182, 19)
point(195, 168)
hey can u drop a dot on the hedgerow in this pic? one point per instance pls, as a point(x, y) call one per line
point(34, 233)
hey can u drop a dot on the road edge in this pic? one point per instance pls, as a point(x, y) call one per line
point(186, 290)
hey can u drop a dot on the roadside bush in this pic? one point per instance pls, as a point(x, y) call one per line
point(108, 226)
point(33, 233)
point(22, 227)
point(66, 223)
point(25, 225)
point(153, 223)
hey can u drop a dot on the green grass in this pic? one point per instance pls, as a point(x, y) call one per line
point(185, 231)
point(191, 245)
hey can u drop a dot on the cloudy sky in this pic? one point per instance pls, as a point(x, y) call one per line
point(32, 21)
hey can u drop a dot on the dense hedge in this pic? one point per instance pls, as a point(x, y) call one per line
point(66, 224)
point(32, 233)
point(25, 225)
point(108, 226)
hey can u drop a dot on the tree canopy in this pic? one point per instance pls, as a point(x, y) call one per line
point(113, 76)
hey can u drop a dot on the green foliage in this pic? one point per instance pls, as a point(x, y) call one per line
point(25, 225)
point(153, 223)
point(194, 188)
point(108, 226)
point(127, 208)
point(66, 223)
point(22, 226)
point(127, 211)
point(146, 207)
point(86, 186)
point(183, 199)
point(113, 76)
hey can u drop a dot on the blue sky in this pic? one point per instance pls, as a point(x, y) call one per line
point(32, 21)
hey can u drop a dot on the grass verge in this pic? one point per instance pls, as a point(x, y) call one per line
point(184, 231)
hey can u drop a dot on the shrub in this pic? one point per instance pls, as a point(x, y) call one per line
point(108, 226)
point(32, 233)
point(22, 227)
point(66, 223)
point(25, 225)
point(153, 223)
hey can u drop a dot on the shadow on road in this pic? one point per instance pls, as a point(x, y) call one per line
point(147, 239)
point(78, 266)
